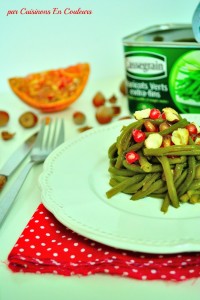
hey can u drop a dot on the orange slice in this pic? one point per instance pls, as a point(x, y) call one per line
point(52, 90)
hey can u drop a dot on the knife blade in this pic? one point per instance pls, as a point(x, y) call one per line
point(15, 159)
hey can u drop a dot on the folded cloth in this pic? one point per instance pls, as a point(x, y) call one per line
point(47, 246)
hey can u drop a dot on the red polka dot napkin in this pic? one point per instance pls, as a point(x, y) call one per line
point(47, 246)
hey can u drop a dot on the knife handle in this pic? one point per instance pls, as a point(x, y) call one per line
point(7, 200)
point(3, 180)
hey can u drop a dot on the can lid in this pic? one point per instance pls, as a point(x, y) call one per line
point(172, 32)
point(196, 23)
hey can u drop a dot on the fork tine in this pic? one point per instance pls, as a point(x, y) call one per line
point(61, 135)
point(54, 133)
point(40, 136)
point(48, 139)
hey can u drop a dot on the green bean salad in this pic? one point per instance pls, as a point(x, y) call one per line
point(158, 155)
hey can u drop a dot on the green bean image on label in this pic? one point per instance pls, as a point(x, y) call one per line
point(184, 82)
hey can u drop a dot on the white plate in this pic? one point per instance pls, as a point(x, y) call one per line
point(74, 182)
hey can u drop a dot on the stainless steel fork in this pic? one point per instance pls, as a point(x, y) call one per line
point(49, 137)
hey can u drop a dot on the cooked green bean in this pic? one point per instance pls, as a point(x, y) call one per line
point(169, 181)
point(173, 150)
point(123, 185)
point(190, 176)
point(197, 172)
point(165, 204)
point(113, 182)
point(112, 150)
point(180, 180)
point(141, 194)
point(135, 147)
point(178, 171)
point(177, 160)
point(188, 153)
point(162, 190)
point(195, 185)
point(158, 195)
point(193, 192)
point(138, 169)
point(113, 161)
point(133, 188)
point(191, 196)
point(119, 161)
point(194, 199)
point(151, 180)
point(184, 198)
point(180, 124)
point(144, 163)
point(119, 178)
point(136, 186)
point(122, 172)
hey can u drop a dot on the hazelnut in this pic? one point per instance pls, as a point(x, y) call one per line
point(142, 114)
point(197, 141)
point(4, 118)
point(28, 119)
point(153, 141)
point(170, 114)
point(6, 135)
point(180, 136)
point(167, 141)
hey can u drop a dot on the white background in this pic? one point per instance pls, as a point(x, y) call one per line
point(30, 43)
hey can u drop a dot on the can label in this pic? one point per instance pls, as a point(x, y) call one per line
point(163, 76)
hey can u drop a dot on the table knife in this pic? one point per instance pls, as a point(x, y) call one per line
point(15, 159)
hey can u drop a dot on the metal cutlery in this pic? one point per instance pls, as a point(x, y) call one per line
point(15, 159)
point(49, 137)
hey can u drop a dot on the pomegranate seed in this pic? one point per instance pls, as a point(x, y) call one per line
point(155, 113)
point(132, 157)
point(192, 129)
point(138, 135)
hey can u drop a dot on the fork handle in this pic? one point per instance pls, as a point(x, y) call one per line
point(7, 200)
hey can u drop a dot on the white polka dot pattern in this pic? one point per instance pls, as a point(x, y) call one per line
point(46, 246)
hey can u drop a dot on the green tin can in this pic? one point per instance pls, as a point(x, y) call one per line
point(163, 68)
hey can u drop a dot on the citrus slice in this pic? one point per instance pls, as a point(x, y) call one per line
point(52, 90)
